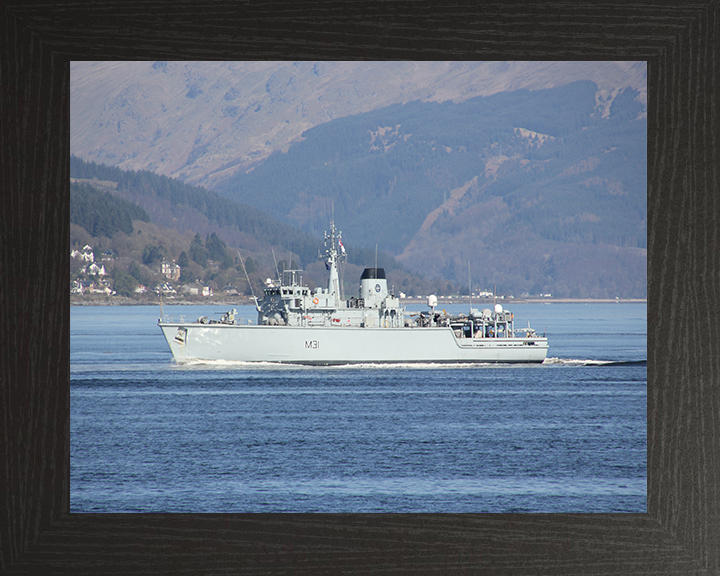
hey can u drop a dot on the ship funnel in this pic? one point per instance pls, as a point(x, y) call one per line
point(373, 287)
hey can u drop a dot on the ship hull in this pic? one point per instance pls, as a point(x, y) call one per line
point(343, 345)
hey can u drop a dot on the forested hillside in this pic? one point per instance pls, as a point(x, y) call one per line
point(174, 204)
point(523, 185)
point(101, 213)
point(199, 230)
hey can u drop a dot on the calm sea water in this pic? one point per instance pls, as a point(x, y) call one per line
point(569, 435)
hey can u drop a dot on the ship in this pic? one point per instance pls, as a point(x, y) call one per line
point(299, 325)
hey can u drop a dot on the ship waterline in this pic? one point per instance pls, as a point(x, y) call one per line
point(338, 345)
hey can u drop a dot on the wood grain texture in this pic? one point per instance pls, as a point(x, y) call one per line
point(681, 531)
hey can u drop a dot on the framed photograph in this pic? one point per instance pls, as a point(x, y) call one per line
point(675, 535)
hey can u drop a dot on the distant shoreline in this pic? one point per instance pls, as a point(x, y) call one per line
point(213, 301)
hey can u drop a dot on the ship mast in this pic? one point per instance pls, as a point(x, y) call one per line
point(331, 259)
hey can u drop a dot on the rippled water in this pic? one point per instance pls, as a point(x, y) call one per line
point(565, 436)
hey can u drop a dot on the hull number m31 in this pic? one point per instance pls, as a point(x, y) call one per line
point(315, 344)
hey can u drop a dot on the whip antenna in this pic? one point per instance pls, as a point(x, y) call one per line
point(470, 285)
point(248, 281)
point(277, 274)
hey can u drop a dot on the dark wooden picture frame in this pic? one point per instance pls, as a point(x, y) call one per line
point(681, 531)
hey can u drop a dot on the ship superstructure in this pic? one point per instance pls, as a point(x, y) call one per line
point(288, 303)
point(298, 325)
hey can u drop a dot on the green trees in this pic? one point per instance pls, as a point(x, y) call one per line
point(213, 249)
point(186, 274)
point(124, 284)
point(140, 275)
point(197, 251)
point(152, 254)
point(214, 207)
point(250, 265)
point(216, 250)
point(101, 213)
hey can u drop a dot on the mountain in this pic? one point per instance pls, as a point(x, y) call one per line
point(202, 122)
point(520, 187)
point(531, 175)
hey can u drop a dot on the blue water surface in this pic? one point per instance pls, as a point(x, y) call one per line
point(569, 435)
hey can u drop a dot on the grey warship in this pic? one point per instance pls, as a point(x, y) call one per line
point(297, 325)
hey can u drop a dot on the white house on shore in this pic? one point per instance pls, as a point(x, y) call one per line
point(85, 254)
point(95, 269)
point(165, 288)
point(196, 289)
point(170, 270)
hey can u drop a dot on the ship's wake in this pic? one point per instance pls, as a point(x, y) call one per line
point(197, 364)
point(579, 362)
